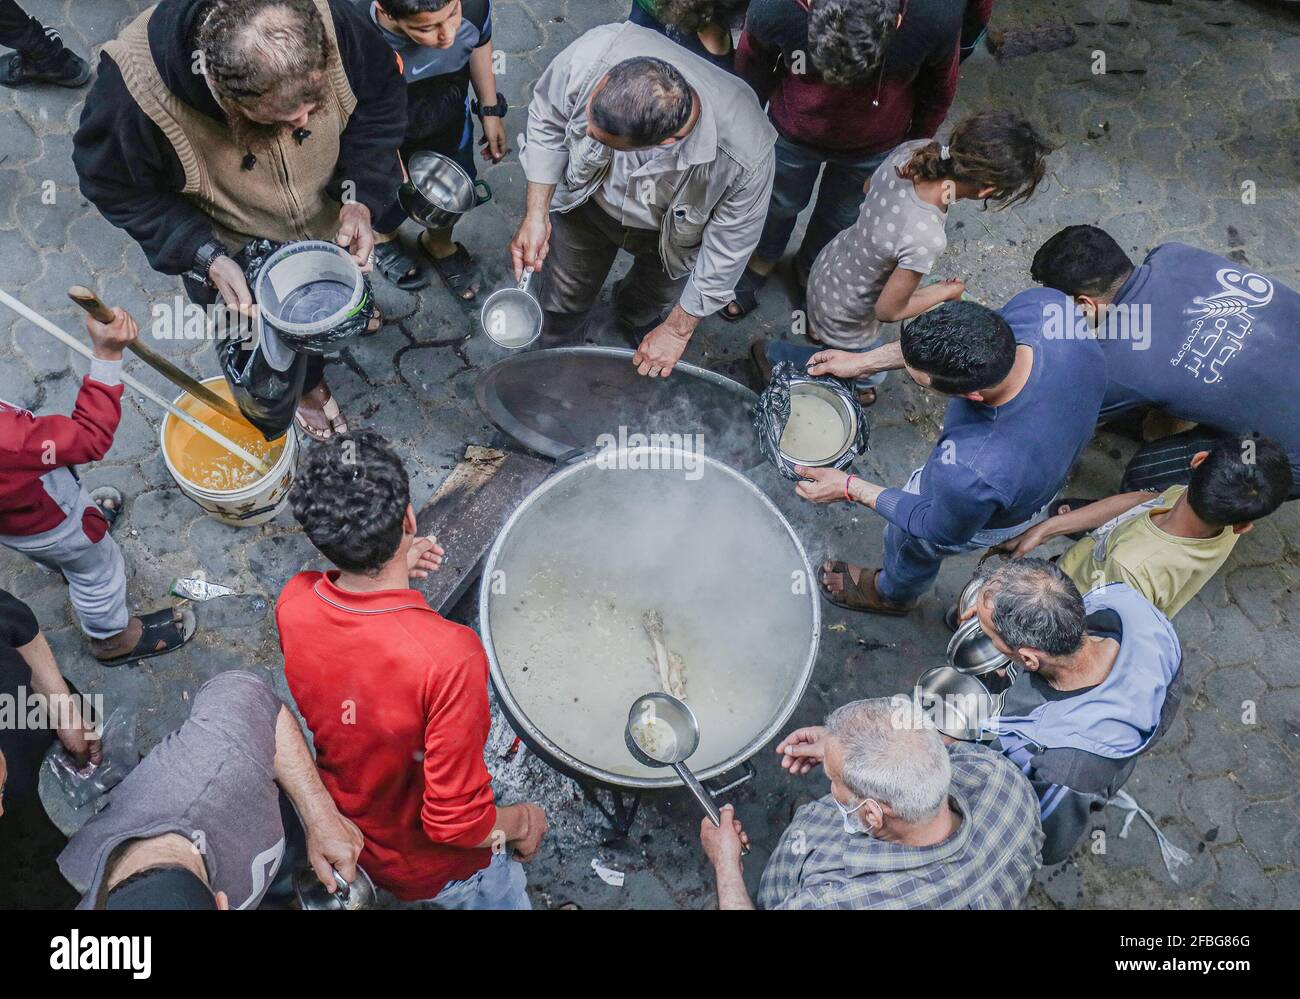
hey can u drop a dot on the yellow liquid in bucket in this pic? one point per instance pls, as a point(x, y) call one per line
point(206, 463)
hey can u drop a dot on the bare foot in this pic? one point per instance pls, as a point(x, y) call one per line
point(120, 644)
point(834, 581)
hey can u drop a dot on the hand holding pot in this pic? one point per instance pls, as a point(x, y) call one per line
point(659, 352)
point(821, 485)
point(333, 844)
point(840, 363)
point(355, 234)
point(531, 242)
point(228, 278)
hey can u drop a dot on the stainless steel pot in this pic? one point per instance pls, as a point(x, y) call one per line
point(972, 652)
point(957, 704)
point(847, 414)
point(626, 531)
point(438, 191)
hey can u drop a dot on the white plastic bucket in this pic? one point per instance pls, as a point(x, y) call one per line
point(246, 506)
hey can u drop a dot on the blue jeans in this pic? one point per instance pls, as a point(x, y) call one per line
point(500, 885)
point(838, 199)
point(798, 354)
point(912, 564)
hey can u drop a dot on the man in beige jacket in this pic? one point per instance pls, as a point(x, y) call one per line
point(634, 143)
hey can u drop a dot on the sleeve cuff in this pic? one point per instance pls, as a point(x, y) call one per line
point(888, 503)
point(543, 166)
point(106, 372)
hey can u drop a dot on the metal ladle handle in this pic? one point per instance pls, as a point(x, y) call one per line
point(524, 279)
point(701, 795)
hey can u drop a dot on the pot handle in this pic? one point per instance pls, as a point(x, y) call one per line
point(747, 774)
point(525, 279)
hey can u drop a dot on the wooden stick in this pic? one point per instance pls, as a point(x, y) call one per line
point(91, 302)
point(72, 342)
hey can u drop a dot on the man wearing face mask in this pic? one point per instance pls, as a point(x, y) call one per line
point(1100, 683)
point(216, 122)
point(908, 822)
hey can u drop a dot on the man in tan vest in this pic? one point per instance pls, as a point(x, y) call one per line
point(212, 123)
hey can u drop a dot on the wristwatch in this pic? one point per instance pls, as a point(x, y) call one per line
point(205, 255)
point(497, 110)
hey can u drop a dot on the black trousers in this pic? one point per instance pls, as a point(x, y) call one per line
point(21, 31)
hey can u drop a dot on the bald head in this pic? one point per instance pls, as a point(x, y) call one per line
point(258, 49)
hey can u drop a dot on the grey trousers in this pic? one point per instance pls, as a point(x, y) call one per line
point(584, 243)
point(95, 570)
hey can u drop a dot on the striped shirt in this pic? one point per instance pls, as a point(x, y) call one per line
point(987, 863)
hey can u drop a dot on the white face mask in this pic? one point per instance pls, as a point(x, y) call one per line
point(851, 824)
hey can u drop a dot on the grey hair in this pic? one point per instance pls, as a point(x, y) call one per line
point(254, 47)
point(889, 758)
point(1034, 605)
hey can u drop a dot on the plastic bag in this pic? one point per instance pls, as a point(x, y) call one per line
point(1173, 856)
point(81, 785)
point(772, 412)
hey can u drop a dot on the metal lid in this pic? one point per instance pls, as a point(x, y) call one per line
point(570, 399)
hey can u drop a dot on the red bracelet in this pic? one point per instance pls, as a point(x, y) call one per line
point(847, 497)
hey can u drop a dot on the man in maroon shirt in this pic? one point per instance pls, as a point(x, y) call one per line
point(395, 695)
point(47, 515)
point(845, 81)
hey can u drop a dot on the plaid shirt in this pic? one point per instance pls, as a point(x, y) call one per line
point(987, 864)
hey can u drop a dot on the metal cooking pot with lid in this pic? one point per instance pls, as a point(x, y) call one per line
point(627, 531)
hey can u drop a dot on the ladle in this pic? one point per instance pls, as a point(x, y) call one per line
point(662, 732)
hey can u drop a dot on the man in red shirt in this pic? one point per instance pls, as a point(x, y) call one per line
point(396, 695)
point(47, 515)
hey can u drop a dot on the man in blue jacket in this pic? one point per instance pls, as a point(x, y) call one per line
point(1098, 686)
point(1022, 410)
point(1188, 332)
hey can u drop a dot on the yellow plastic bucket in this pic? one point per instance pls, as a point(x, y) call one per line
point(222, 484)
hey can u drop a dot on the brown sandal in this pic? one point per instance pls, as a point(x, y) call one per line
point(858, 597)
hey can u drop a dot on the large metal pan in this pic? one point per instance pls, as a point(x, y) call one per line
point(624, 531)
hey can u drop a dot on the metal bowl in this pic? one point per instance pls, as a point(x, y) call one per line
point(438, 191)
point(957, 704)
point(972, 652)
point(312, 895)
point(848, 423)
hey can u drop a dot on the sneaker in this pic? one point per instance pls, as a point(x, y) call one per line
point(69, 70)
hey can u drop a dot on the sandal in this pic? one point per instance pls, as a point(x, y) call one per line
point(857, 596)
point(746, 300)
point(400, 268)
point(758, 355)
point(109, 500)
point(164, 631)
point(459, 272)
point(331, 412)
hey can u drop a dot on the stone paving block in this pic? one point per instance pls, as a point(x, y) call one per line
point(1265, 828)
point(1241, 884)
point(1210, 749)
point(1211, 806)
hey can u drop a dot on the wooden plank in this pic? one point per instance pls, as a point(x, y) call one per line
point(468, 511)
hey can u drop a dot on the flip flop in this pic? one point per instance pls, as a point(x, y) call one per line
point(746, 300)
point(394, 262)
point(338, 424)
point(459, 272)
point(865, 598)
point(105, 495)
point(172, 627)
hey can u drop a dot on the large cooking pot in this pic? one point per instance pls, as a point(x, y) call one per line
point(621, 532)
point(437, 192)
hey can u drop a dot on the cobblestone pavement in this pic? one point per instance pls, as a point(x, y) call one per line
point(1199, 99)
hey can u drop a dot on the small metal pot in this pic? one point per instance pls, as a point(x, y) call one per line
point(438, 191)
point(312, 895)
point(957, 704)
point(847, 413)
point(972, 652)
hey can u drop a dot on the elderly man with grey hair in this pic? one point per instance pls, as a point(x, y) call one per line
point(908, 824)
point(1099, 685)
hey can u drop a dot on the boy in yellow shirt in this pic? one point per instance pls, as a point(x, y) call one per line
point(1168, 545)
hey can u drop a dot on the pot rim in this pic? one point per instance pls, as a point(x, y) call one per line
point(561, 759)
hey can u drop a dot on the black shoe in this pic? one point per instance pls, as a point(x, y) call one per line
point(69, 70)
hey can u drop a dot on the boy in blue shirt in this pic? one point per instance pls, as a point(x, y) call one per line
point(442, 48)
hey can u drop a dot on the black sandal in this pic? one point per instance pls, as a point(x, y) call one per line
point(164, 631)
point(399, 267)
point(102, 497)
point(459, 272)
point(746, 300)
